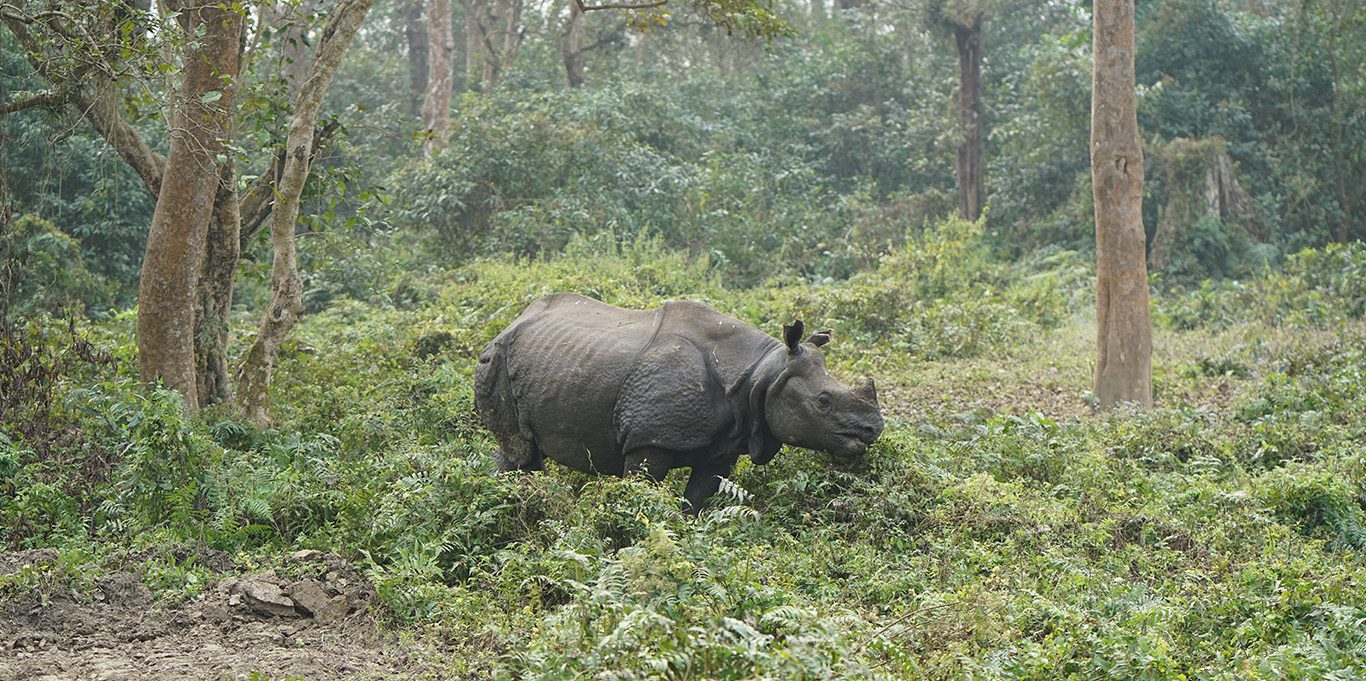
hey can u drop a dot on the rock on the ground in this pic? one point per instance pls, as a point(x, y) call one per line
point(263, 594)
point(312, 599)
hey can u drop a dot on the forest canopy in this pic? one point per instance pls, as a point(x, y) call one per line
point(812, 153)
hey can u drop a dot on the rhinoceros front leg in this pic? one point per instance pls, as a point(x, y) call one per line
point(704, 482)
point(518, 454)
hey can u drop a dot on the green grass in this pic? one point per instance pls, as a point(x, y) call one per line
point(999, 529)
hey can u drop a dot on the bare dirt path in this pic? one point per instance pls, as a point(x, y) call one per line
point(317, 623)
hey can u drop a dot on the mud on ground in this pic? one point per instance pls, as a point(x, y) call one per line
point(318, 622)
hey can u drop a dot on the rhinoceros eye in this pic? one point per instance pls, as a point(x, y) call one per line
point(823, 400)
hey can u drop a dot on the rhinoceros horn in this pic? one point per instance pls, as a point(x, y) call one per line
point(867, 390)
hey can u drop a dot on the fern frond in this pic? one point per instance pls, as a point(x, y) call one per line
point(733, 490)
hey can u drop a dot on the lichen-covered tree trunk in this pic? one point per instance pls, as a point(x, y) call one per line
point(221, 255)
point(415, 35)
point(1124, 327)
point(968, 163)
point(286, 304)
point(436, 105)
point(571, 47)
point(201, 120)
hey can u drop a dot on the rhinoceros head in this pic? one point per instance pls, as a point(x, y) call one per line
point(805, 406)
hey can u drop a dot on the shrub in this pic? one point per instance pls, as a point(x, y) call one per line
point(1319, 501)
point(1315, 287)
point(41, 271)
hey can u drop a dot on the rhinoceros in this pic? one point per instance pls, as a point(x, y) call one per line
point(613, 391)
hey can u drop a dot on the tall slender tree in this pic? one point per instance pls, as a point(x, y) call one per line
point(1124, 327)
point(571, 47)
point(964, 19)
point(436, 105)
point(286, 304)
point(415, 35)
point(967, 168)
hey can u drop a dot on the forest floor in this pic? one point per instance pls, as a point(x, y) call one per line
point(1000, 518)
point(120, 631)
point(254, 626)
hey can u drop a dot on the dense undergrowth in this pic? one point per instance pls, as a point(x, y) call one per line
point(1220, 535)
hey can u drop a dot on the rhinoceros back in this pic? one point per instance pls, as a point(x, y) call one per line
point(554, 375)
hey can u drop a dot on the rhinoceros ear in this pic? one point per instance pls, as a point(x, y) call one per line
point(792, 334)
point(821, 337)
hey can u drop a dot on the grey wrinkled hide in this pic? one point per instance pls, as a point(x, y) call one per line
point(612, 391)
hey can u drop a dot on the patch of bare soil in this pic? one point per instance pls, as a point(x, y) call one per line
point(316, 623)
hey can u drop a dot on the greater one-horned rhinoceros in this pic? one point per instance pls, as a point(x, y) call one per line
point(612, 391)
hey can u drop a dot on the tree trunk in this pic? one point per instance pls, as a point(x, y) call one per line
point(571, 47)
point(967, 167)
point(512, 35)
point(436, 106)
point(1124, 328)
point(493, 36)
point(415, 31)
point(253, 388)
point(1349, 184)
point(475, 19)
point(222, 253)
point(201, 120)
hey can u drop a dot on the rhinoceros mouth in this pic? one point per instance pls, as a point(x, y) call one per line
point(850, 444)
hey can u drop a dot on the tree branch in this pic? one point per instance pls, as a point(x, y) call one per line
point(101, 109)
point(286, 303)
point(50, 98)
point(610, 36)
point(620, 5)
point(259, 199)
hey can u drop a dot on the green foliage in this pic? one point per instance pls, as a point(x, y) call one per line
point(752, 18)
point(529, 174)
point(941, 293)
point(42, 271)
point(1218, 541)
point(1321, 501)
point(1317, 287)
point(1271, 83)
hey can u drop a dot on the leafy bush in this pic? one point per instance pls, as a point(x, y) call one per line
point(528, 175)
point(1315, 287)
point(1320, 501)
point(42, 271)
